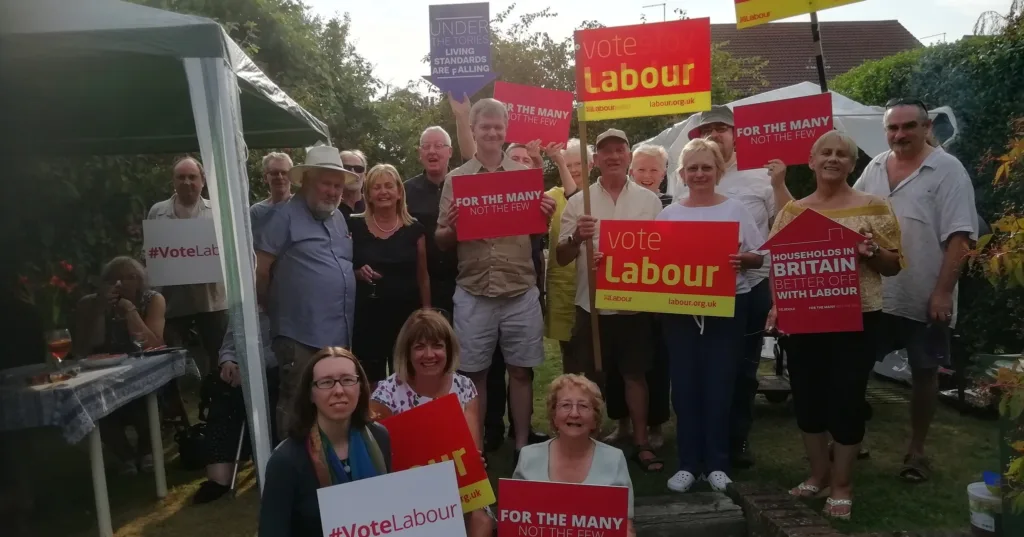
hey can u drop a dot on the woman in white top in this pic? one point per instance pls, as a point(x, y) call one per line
point(426, 356)
point(572, 455)
point(704, 352)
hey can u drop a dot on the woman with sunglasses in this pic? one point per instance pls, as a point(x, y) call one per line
point(332, 441)
point(426, 356)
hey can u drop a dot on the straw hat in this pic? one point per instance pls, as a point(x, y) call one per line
point(321, 156)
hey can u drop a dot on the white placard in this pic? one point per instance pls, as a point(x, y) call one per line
point(181, 251)
point(421, 502)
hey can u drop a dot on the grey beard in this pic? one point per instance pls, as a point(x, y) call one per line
point(323, 211)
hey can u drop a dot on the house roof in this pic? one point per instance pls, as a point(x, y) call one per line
point(789, 49)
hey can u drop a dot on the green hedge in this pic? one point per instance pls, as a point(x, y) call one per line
point(982, 80)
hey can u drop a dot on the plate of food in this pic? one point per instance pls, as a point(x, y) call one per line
point(95, 361)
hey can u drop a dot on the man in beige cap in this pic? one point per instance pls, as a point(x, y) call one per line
point(306, 245)
point(627, 346)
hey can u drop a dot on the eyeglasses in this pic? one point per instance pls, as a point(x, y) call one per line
point(357, 168)
point(435, 147)
point(328, 383)
point(904, 101)
point(277, 173)
point(566, 407)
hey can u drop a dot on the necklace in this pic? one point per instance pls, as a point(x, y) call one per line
point(381, 228)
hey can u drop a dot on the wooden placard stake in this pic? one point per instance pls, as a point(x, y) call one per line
point(589, 244)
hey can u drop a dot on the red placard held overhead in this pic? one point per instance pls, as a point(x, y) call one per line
point(783, 130)
point(436, 432)
point(814, 276)
point(545, 509)
point(535, 113)
point(499, 204)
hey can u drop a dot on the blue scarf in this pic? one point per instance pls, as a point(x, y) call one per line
point(329, 467)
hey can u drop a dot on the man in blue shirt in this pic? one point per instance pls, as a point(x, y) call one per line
point(304, 276)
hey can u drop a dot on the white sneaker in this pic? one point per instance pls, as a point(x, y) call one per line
point(681, 481)
point(719, 481)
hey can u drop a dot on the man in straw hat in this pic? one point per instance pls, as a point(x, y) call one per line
point(307, 247)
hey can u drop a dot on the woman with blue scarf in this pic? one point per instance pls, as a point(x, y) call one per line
point(331, 442)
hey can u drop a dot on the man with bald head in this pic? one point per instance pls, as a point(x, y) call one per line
point(423, 197)
point(200, 306)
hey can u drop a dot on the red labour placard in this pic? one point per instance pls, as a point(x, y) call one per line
point(814, 276)
point(784, 129)
point(545, 509)
point(499, 204)
point(535, 113)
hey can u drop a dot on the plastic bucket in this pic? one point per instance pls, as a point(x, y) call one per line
point(986, 510)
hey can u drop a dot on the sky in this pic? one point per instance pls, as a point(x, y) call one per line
point(392, 34)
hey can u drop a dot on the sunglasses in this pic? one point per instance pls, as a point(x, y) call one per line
point(904, 101)
point(357, 168)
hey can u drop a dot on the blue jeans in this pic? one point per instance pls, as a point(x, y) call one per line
point(703, 365)
point(759, 301)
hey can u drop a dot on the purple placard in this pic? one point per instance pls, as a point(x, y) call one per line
point(460, 48)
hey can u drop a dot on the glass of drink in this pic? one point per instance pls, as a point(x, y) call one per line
point(139, 341)
point(59, 343)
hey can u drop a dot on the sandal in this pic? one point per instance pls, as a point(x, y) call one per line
point(916, 469)
point(833, 507)
point(806, 490)
point(647, 464)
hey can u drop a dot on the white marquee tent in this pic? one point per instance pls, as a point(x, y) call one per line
point(862, 122)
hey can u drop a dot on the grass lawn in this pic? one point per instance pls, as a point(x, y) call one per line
point(961, 448)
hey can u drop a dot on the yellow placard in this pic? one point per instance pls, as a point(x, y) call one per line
point(476, 496)
point(711, 306)
point(754, 12)
point(680, 103)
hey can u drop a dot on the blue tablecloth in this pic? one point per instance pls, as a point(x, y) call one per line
point(77, 404)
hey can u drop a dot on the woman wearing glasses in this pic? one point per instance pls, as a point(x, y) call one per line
point(390, 259)
point(332, 441)
point(426, 357)
point(572, 455)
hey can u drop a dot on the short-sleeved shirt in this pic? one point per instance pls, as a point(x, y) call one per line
point(729, 210)
point(876, 218)
point(501, 267)
point(423, 198)
point(184, 300)
point(394, 258)
point(398, 396)
point(312, 283)
point(931, 204)
point(259, 213)
point(634, 203)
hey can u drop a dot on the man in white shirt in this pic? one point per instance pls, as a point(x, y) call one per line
point(754, 190)
point(627, 346)
point(933, 198)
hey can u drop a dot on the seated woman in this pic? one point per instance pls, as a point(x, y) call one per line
point(426, 357)
point(575, 410)
point(122, 314)
point(332, 441)
point(829, 372)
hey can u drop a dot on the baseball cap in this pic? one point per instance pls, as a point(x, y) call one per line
point(611, 133)
point(718, 114)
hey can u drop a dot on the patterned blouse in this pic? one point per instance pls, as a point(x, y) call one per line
point(877, 218)
point(399, 396)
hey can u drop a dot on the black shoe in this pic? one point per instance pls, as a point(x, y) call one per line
point(742, 458)
point(493, 442)
point(208, 492)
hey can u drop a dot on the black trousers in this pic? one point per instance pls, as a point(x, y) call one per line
point(226, 414)
point(741, 418)
point(829, 376)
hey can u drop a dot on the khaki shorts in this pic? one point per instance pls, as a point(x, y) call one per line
point(482, 323)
